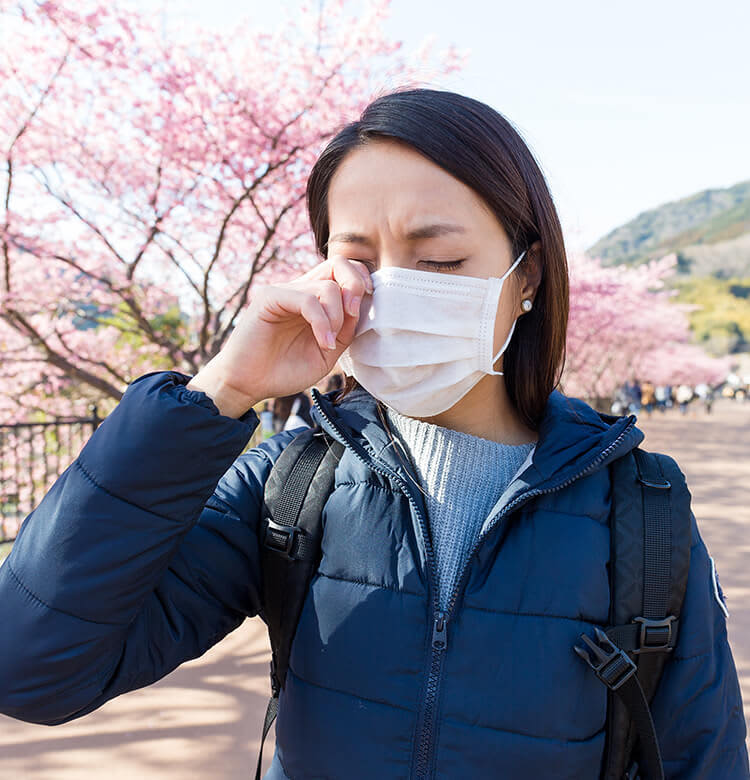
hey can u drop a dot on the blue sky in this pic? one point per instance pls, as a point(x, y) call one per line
point(625, 106)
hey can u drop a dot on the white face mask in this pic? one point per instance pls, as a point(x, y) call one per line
point(424, 339)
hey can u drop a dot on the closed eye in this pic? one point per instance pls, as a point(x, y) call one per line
point(434, 264)
point(451, 266)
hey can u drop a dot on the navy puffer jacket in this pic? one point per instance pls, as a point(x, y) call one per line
point(144, 554)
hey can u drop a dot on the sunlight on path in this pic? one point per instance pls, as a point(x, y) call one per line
point(713, 451)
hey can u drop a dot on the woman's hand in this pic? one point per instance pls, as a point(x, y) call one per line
point(289, 337)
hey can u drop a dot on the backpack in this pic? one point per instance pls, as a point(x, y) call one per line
point(649, 561)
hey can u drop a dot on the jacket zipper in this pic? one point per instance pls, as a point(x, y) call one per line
point(428, 713)
point(439, 637)
point(525, 497)
point(439, 643)
point(387, 472)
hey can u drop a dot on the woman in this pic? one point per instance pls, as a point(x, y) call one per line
point(444, 257)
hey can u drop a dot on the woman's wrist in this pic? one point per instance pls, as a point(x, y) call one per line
point(230, 401)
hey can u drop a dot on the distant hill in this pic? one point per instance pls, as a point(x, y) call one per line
point(709, 232)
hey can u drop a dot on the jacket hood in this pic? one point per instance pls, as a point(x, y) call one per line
point(573, 438)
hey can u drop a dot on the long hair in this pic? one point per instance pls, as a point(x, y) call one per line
point(479, 147)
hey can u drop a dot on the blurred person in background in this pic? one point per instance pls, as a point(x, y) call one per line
point(648, 397)
point(621, 399)
point(291, 411)
point(634, 396)
point(299, 413)
point(661, 394)
point(684, 397)
point(708, 399)
point(266, 421)
point(706, 395)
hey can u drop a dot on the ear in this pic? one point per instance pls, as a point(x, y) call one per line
point(531, 272)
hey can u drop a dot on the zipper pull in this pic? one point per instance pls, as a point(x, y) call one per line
point(439, 633)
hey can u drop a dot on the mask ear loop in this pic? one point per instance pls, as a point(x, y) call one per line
point(513, 267)
point(502, 349)
point(513, 326)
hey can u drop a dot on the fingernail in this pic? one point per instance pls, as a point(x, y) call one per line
point(330, 340)
point(354, 305)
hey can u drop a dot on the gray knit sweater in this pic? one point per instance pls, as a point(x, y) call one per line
point(463, 477)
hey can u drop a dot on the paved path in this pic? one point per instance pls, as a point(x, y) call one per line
point(714, 452)
point(203, 720)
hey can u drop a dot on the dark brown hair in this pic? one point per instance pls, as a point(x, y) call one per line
point(478, 146)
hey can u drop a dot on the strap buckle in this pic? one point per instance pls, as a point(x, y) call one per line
point(612, 666)
point(656, 635)
point(665, 485)
point(281, 538)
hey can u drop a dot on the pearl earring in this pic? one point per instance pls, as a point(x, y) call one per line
point(526, 305)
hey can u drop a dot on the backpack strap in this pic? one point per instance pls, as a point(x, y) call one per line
point(291, 531)
point(649, 561)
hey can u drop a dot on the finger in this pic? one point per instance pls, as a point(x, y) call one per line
point(340, 268)
point(323, 270)
point(284, 302)
point(346, 334)
point(354, 278)
point(315, 313)
point(330, 296)
point(364, 270)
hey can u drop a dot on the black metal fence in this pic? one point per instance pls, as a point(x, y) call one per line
point(32, 457)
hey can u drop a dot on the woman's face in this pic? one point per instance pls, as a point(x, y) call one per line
point(390, 206)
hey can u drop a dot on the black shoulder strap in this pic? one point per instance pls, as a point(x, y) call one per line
point(649, 561)
point(291, 530)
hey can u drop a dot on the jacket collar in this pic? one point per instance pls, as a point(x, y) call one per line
point(574, 439)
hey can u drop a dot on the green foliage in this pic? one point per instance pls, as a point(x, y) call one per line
point(723, 227)
point(722, 323)
point(172, 326)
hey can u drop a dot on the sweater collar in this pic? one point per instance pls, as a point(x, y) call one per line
point(573, 438)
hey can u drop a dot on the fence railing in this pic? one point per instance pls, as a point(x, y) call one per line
point(32, 457)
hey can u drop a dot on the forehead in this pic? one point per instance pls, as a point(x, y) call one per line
point(386, 180)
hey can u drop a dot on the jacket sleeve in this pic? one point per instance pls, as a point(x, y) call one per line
point(697, 708)
point(142, 555)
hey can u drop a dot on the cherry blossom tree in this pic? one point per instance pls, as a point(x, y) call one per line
point(624, 325)
point(146, 184)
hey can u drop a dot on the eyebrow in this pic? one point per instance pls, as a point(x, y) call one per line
point(418, 234)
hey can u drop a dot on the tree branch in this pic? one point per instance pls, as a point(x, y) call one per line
point(100, 363)
point(222, 234)
point(135, 310)
point(245, 290)
point(20, 324)
point(9, 162)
